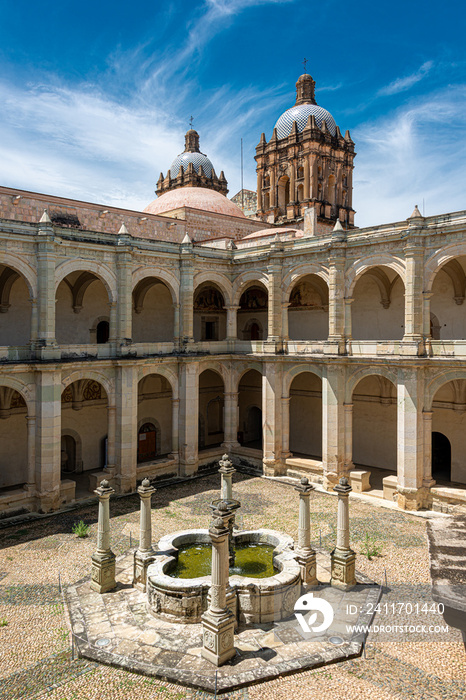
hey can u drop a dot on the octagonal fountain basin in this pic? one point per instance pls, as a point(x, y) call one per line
point(264, 584)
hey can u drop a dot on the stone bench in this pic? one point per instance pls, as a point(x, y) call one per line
point(360, 480)
point(390, 484)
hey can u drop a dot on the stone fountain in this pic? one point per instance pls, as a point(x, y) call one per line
point(201, 597)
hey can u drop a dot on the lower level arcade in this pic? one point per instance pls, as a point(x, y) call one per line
point(398, 429)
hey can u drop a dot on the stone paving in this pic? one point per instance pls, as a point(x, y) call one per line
point(116, 628)
point(35, 650)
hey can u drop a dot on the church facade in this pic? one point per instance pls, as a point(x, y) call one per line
point(146, 344)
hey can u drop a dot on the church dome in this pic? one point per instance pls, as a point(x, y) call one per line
point(305, 106)
point(196, 158)
point(300, 114)
point(194, 198)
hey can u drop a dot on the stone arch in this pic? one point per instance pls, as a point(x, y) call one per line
point(216, 279)
point(246, 280)
point(294, 372)
point(294, 275)
point(241, 371)
point(166, 372)
point(361, 266)
point(168, 278)
point(107, 382)
point(440, 258)
point(27, 391)
point(102, 272)
point(217, 367)
point(354, 379)
point(20, 266)
point(437, 382)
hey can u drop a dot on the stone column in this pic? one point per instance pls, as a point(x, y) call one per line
point(272, 189)
point(103, 559)
point(46, 262)
point(176, 324)
point(306, 178)
point(123, 333)
point(285, 327)
point(226, 472)
point(31, 429)
point(343, 559)
point(426, 297)
point(218, 622)
point(412, 339)
point(427, 481)
point(232, 331)
point(187, 293)
point(274, 316)
point(259, 191)
point(348, 408)
point(144, 555)
point(188, 418)
point(111, 433)
point(175, 435)
point(306, 556)
point(333, 424)
point(271, 419)
point(348, 323)
point(230, 420)
point(48, 437)
point(126, 396)
point(286, 427)
point(292, 185)
point(410, 438)
point(336, 310)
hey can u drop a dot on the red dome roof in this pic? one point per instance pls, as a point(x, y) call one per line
point(195, 198)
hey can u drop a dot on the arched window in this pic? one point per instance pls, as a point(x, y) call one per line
point(102, 332)
point(147, 447)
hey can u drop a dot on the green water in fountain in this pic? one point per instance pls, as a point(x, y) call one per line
point(251, 559)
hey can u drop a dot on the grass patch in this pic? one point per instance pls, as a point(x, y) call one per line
point(81, 529)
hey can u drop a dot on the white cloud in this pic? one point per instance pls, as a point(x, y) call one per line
point(402, 84)
point(416, 154)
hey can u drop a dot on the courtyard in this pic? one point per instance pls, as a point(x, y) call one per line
point(38, 557)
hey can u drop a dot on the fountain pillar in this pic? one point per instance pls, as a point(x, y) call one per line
point(226, 472)
point(144, 555)
point(218, 622)
point(306, 556)
point(103, 560)
point(343, 558)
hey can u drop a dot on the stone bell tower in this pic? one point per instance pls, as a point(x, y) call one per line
point(306, 164)
point(191, 169)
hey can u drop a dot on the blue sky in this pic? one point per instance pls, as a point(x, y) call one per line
point(96, 97)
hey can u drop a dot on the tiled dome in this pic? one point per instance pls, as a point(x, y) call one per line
point(195, 198)
point(197, 159)
point(300, 114)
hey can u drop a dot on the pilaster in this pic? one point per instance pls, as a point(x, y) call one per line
point(413, 336)
point(188, 418)
point(271, 419)
point(333, 424)
point(410, 432)
point(124, 314)
point(48, 438)
point(46, 263)
point(186, 292)
point(126, 392)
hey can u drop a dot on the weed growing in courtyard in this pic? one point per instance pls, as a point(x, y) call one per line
point(3, 622)
point(370, 547)
point(81, 529)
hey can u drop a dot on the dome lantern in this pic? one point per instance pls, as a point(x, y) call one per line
point(192, 168)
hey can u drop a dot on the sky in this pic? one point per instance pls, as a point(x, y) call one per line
point(95, 97)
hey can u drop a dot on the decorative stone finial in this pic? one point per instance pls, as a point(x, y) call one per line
point(123, 229)
point(186, 240)
point(304, 481)
point(145, 483)
point(223, 506)
point(104, 484)
point(45, 218)
point(416, 213)
point(343, 481)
